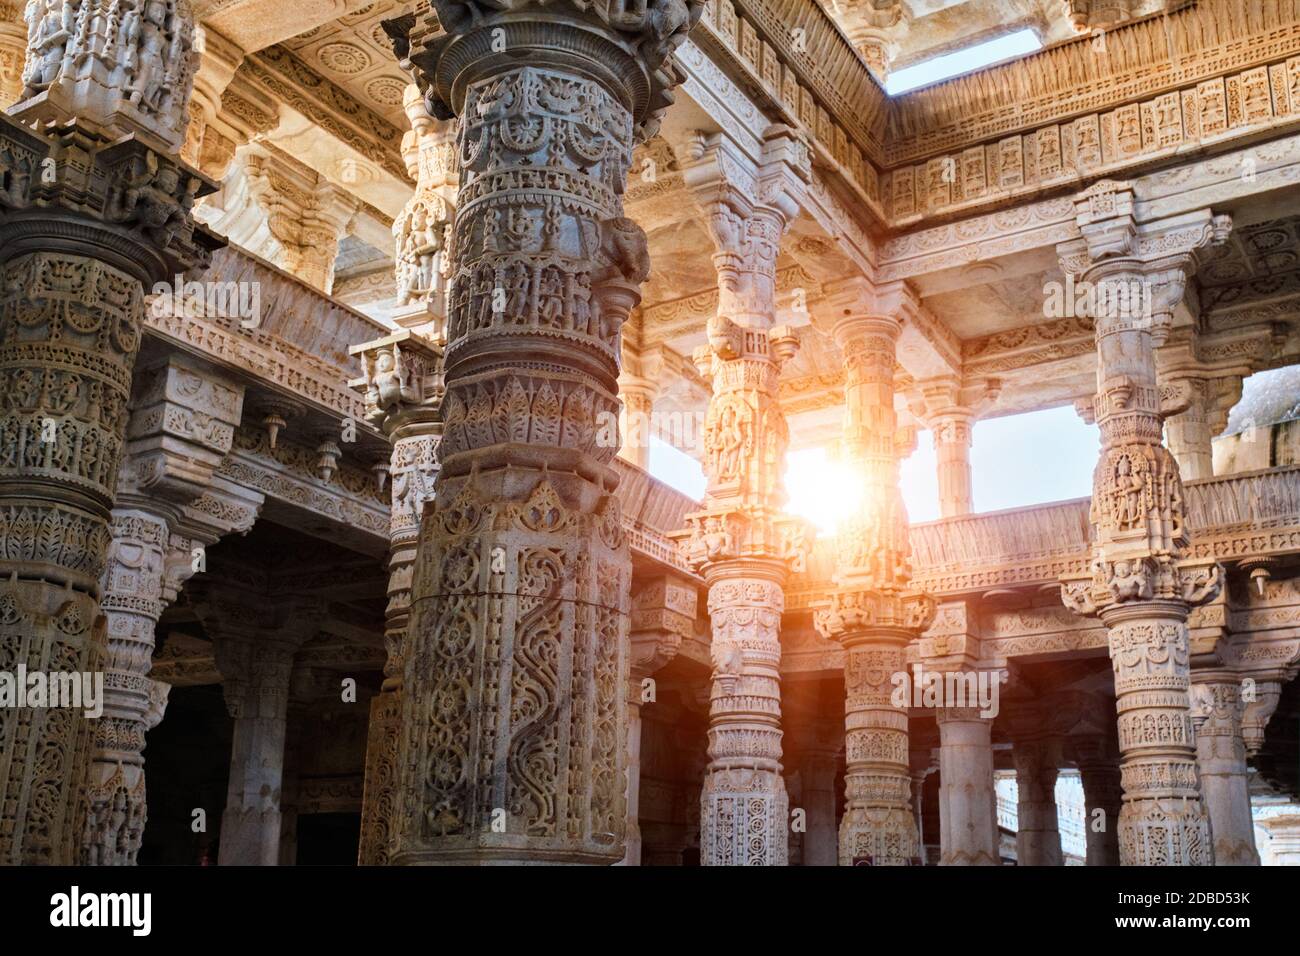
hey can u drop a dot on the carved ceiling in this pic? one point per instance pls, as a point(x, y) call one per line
point(1256, 251)
point(353, 52)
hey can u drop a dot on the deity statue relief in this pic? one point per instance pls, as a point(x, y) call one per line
point(1127, 491)
point(391, 380)
point(421, 242)
point(143, 48)
point(152, 196)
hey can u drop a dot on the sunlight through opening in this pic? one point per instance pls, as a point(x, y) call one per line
point(963, 61)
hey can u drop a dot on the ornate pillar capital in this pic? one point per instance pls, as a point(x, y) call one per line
point(183, 424)
point(747, 207)
point(629, 51)
point(854, 307)
point(305, 215)
point(663, 615)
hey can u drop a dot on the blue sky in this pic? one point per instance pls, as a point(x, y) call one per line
point(973, 57)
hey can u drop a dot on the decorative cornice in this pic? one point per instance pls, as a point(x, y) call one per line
point(328, 106)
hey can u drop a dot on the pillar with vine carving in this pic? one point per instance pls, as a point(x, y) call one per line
point(513, 741)
point(96, 209)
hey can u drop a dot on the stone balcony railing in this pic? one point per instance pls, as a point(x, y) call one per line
point(1230, 517)
point(297, 343)
point(652, 509)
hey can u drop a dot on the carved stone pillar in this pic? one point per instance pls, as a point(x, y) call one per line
point(514, 718)
point(403, 389)
point(663, 614)
point(403, 386)
point(1098, 765)
point(821, 841)
point(255, 642)
point(182, 425)
point(422, 231)
point(949, 410)
point(88, 221)
point(1038, 834)
point(13, 52)
point(1137, 273)
point(952, 440)
point(918, 806)
point(256, 684)
point(968, 806)
point(740, 542)
point(1190, 433)
point(875, 29)
point(1217, 710)
point(638, 397)
point(873, 613)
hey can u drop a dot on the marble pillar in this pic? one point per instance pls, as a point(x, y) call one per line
point(402, 386)
point(1190, 433)
point(873, 612)
point(1217, 709)
point(740, 542)
point(663, 615)
point(1098, 764)
point(89, 221)
point(638, 397)
point(952, 441)
point(949, 407)
point(821, 839)
point(1140, 588)
point(255, 643)
point(256, 684)
point(968, 807)
point(1038, 835)
point(514, 735)
point(182, 424)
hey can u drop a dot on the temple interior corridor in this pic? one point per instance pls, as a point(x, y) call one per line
point(650, 432)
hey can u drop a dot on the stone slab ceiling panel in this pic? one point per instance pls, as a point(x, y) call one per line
point(354, 53)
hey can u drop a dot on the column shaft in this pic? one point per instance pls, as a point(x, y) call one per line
point(1137, 273)
point(872, 612)
point(1102, 791)
point(1221, 760)
point(968, 822)
point(952, 442)
point(88, 217)
point(1038, 835)
point(257, 695)
point(514, 733)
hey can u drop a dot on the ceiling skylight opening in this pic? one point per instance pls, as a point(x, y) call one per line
point(1005, 47)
